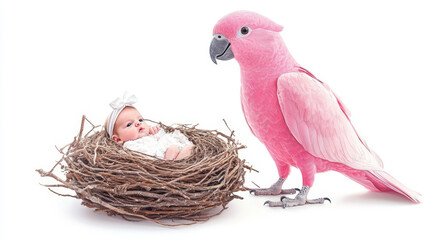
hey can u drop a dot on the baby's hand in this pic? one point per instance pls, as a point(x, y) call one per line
point(153, 130)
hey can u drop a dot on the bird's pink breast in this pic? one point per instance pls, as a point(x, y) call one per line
point(265, 118)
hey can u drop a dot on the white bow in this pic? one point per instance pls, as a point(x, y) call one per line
point(126, 100)
point(118, 105)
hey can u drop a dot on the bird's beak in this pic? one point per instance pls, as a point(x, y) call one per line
point(220, 48)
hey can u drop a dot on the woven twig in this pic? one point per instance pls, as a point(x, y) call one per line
point(121, 182)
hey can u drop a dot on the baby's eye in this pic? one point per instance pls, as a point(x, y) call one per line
point(141, 120)
point(129, 124)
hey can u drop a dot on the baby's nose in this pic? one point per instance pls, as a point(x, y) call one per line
point(138, 124)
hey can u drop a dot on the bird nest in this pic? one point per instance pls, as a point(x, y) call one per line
point(136, 186)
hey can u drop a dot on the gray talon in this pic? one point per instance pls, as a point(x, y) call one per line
point(327, 199)
point(252, 191)
point(283, 197)
point(267, 202)
point(298, 190)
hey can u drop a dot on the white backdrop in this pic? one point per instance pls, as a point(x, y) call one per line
point(63, 59)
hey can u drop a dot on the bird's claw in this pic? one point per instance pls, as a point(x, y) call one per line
point(318, 201)
point(275, 204)
point(273, 191)
point(283, 197)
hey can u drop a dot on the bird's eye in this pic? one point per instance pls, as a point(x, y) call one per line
point(244, 31)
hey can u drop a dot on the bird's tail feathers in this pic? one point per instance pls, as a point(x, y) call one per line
point(385, 182)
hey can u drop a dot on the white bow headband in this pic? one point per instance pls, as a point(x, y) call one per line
point(118, 105)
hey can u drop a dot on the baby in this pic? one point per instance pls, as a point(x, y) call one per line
point(125, 126)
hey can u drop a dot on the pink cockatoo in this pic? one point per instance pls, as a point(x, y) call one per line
point(297, 117)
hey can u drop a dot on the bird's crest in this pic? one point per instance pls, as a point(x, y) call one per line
point(229, 24)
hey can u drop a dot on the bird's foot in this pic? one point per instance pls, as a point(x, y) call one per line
point(299, 200)
point(275, 189)
point(271, 191)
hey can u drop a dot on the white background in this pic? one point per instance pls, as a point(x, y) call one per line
point(63, 59)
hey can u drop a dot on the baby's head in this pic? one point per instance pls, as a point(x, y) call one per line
point(125, 123)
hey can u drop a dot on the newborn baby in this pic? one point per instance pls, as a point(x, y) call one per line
point(125, 126)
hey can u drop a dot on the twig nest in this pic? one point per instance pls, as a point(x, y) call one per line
point(122, 182)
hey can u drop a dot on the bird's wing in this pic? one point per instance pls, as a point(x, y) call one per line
point(319, 122)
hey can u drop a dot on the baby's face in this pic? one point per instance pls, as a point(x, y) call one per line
point(129, 126)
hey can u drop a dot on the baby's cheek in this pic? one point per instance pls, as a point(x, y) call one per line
point(127, 135)
point(132, 135)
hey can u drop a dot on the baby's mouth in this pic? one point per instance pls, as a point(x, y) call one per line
point(141, 129)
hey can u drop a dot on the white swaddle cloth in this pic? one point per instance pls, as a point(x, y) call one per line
point(157, 144)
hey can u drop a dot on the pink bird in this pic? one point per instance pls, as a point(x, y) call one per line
point(297, 117)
